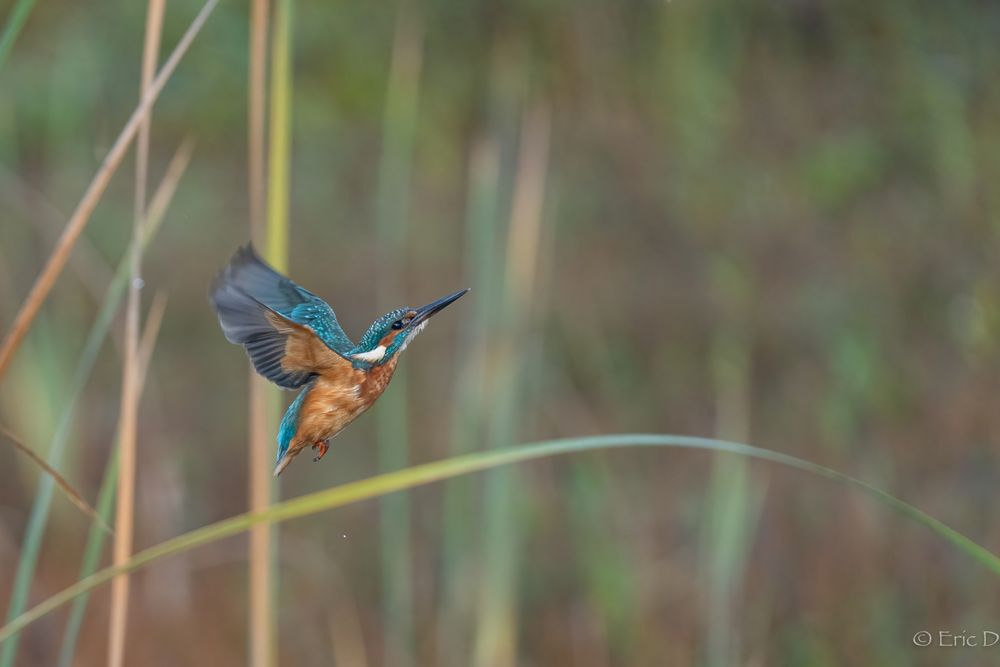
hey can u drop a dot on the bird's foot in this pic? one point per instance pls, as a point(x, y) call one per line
point(322, 447)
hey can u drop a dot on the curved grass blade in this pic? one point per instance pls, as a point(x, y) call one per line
point(71, 493)
point(380, 485)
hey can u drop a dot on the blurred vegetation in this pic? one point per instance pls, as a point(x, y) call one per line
point(774, 221)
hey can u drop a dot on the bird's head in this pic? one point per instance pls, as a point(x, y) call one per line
point(390, 334)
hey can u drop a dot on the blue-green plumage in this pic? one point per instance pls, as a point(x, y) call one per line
point(244, 294)
point(293, 338)
point(290, 422)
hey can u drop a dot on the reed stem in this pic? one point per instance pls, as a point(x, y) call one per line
point(129, 415)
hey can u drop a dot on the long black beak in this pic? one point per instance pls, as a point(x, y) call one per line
point(426, 312)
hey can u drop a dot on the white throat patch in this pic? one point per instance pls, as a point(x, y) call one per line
point(376, 355)
point(371, 356)
point(413, 334)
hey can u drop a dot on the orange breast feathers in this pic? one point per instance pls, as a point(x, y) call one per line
point(338, 396)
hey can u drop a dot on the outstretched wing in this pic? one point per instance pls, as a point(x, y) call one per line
point(289, 333)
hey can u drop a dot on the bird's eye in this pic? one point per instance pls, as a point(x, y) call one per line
point(398, 324)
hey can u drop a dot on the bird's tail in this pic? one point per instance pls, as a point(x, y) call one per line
point(283, 462)
point(286, 432)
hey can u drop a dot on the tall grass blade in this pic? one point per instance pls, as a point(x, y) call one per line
point(469, 405)
point(129, 414)
point(261, 401)
point(280, 149)
point(88, 358)
point(79, 218)
point(12, 26)
point(392, 203)
point(733, 498)
point(264, 400)
point(150, 51)
point(71, 493)
point(427, 473)
point(256, 115)
point(496, 638)
point(91, 559)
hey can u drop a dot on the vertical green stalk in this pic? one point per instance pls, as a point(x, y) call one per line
point(489, 183)
point(12, 27)
point(733, 500)
point(265, 400)
point(496, 632)
point(469, 402)
point(280, 149)
point(41, 394)
point(496, 629)
point(91, 559)
point(702, 96)
point(391, 205)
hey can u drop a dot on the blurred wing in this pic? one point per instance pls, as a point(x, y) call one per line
point(251, 274)
point(289, 333)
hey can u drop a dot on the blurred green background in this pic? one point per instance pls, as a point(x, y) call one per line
point(768, 221)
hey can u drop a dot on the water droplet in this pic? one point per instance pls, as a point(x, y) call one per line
point(138, 283)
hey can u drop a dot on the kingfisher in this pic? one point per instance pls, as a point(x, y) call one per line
point(294, 340)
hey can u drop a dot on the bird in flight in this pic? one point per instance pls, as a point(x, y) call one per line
point(294, 340)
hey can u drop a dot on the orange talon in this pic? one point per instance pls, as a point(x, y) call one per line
point(323, 447)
